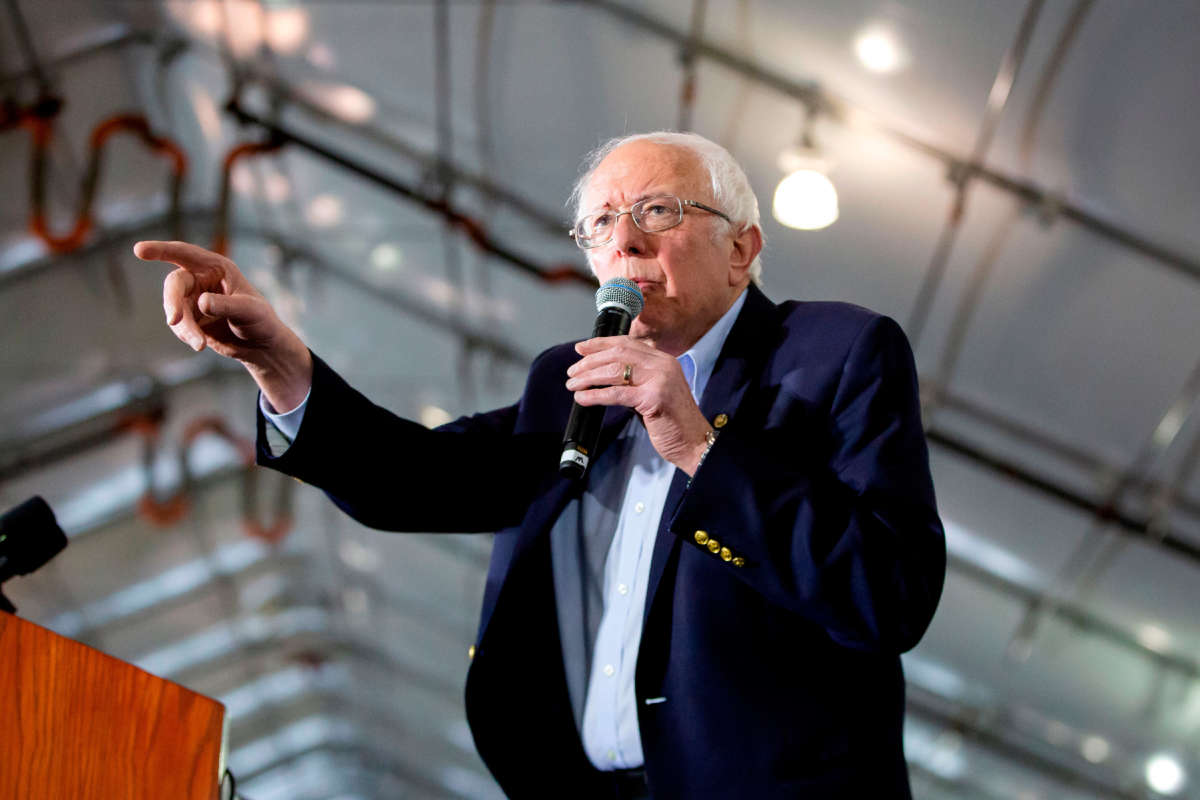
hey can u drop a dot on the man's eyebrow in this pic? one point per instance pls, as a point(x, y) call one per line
point(636, 200)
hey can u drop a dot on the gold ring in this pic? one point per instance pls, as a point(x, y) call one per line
point(627, 377)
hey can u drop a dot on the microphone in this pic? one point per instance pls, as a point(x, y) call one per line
point(29, 537)
point(618, 301)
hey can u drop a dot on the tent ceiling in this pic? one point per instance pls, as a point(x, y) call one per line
point(1061, 412)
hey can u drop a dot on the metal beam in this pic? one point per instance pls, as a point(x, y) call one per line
point(111, 38)
point(120, 235)
point(1051, 443)
point(1076, 616)
point(842, 110)
point(967, 721)
point(414, 194)
point(1135, 526)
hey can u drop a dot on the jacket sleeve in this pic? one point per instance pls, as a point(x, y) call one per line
point(839, 525)
point(476, 473)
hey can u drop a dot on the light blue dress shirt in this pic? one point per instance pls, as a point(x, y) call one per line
point(610, 727)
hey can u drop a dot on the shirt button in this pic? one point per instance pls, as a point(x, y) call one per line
point(612, 755)
point(622, 588)
point(640, 507)
point(609, 670)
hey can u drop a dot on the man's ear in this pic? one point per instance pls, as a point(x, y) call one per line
point(745, 248)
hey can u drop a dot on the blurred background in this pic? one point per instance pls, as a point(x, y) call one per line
point(1015, 183)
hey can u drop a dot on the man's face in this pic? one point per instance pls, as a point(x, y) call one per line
point(685, 273)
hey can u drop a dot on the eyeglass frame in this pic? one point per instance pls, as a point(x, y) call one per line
point(694, 204)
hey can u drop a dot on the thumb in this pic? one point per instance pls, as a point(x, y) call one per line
point(236, 309)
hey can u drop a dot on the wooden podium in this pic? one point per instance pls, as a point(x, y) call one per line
point(77, 724)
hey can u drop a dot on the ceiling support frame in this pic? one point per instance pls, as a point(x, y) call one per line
point(418, 196)
point(847, 113)
point(1131, 525)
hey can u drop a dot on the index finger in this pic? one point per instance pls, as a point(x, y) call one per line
point(599, 343)
point(182, 254)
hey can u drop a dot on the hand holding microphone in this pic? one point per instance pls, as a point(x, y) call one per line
point(618, 370)
point(618, 301)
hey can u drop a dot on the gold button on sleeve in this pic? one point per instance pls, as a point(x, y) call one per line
point(471, 651)
point(713, 545)
point(701, 537)
point(720, 420)
point(739, 562)
point(726, 554)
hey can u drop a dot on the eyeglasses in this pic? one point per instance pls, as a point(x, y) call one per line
point(652, 215)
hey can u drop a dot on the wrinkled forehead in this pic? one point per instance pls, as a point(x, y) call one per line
point(641, 169)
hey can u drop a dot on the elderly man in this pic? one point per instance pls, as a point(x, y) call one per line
point(718, 610)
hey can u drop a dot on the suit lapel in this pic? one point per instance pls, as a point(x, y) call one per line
point(746, 346)
point(545, 511)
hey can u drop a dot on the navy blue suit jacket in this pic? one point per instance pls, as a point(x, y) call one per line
point(773, 674)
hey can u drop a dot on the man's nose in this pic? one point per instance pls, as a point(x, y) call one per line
point(628, 238)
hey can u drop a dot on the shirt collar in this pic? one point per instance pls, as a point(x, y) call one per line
point(699, 360)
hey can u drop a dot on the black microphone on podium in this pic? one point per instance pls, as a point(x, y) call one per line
point(618, 301)
point(29, 537)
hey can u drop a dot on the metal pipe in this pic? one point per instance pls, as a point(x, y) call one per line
point(107, 39)
point(104, 240)
point(1076, 616)
point(556, 274)
point(429, 162)
point(1051, 443)
point(972, 295)
point(1135, 527)
point(25, 42)
point(687, 58)
point(997, 100)
point(936, 708)
point(1083, 568)
point(366, 752)
point(856, 117)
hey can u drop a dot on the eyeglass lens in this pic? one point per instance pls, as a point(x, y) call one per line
point(651, 215)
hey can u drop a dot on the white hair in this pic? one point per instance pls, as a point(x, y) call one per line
point(730, 186)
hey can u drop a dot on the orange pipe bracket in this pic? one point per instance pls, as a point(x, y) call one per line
point(39, 121)
point(220, 243)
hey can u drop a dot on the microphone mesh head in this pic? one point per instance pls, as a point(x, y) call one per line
point(620, 293)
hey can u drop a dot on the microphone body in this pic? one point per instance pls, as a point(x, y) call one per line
point(29, 537)
point(617, 302)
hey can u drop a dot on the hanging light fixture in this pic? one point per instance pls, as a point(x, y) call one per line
point(1165, 774)
point(805, 199)
point(879, 50)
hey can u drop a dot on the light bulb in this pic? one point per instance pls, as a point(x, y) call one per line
point(287, 29)
point(879, 51)
point(386, 257)
point(1164, 774)
point(324, 211)
point(806, 200)
point(1095, 748)
point(1153, 638)
point(347, 103)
